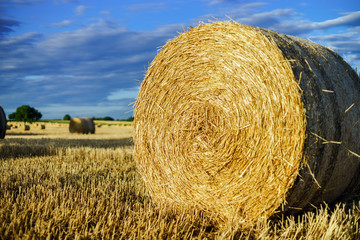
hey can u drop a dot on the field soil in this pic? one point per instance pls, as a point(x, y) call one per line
point(58, 185)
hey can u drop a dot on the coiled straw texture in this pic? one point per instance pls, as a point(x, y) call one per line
point(220, 124)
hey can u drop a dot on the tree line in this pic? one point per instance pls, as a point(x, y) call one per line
point(25, 113)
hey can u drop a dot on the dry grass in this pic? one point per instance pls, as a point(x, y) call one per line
point(87, 187)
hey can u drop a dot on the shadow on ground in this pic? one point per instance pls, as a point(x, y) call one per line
point(13, 148)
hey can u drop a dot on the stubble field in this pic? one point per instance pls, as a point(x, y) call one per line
point(57, 185)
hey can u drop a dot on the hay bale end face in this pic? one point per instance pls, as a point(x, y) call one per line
point(3, 126)
point(244, 122)
point(82, 125)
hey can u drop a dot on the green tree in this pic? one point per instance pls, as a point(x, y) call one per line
point(25, 113)
point(107, 118)
point(67, 117)
point(130, 119)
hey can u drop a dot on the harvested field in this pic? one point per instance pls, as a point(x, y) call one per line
point(58, 185)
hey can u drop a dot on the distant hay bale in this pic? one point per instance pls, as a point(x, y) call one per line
point(41, 126)
point(26, 127)
point(3, 125)
point(82, 125)
point(244, 122)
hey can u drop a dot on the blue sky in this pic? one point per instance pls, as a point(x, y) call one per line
point(88, 58)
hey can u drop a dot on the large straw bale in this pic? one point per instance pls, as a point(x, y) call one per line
point(243, 123)
point(82, 125)
point(2, 123)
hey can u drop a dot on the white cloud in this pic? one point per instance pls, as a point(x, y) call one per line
point(305, 26)
point(79, 10)
point(105, 12)
point(124, 93)
point(64, 23)
point(350, 19)
point(101, 63)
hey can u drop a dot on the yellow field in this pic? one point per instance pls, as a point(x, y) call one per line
point(58, 185)
point(108, 130)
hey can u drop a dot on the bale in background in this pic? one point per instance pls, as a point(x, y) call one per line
point(243, 123)
point(82, 125)
point(2, 123)
point(41, 126)
point(26, 127)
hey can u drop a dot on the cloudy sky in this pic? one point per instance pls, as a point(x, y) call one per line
point(88, 58)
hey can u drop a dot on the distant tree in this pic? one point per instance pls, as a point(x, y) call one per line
point(130, 119)
point(67, 117)
point(25, 113)
point(107, 118)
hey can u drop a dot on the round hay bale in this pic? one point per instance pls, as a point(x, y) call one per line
point(26, 127)
point(244, 122)
point(82, 125)
point(3, 125)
